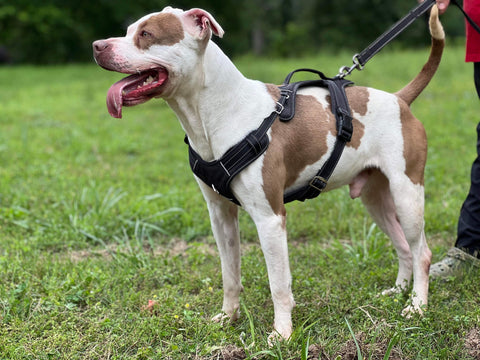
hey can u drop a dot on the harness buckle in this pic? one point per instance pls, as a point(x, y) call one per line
point(318, 183)
point(279, 108)
point(345, 128)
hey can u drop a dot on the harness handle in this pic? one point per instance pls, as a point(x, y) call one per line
point(289, 76)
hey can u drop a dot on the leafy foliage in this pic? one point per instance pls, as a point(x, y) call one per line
point(56, 31)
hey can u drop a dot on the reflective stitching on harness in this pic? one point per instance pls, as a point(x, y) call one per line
point(224, 168)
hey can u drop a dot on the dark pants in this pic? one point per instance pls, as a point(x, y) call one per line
point(468, 233)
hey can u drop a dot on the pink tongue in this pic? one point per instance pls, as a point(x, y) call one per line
point(114, 95)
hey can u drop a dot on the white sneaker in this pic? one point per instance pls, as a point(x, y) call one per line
point(452, 264)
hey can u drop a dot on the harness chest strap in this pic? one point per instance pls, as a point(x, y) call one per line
point(219, 173)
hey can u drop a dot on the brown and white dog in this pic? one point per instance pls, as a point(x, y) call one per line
point(169, 55)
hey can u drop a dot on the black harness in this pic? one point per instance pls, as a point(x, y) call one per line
point(219, 173)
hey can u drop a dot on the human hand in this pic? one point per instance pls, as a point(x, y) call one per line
point(442, 5)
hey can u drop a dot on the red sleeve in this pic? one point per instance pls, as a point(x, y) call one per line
point(472, 8)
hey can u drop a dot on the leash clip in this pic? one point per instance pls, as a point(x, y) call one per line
point(345, 70)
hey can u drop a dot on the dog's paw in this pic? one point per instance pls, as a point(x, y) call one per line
point(392, 291)
point(224, 317)
point(411, 311)
point(276, 337)
point(279, 334)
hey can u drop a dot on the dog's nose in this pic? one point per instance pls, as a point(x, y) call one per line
point(99, 46)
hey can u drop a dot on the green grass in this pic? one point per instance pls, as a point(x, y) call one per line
point(98, 216)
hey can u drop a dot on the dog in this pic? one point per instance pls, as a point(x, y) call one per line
point(170, 55)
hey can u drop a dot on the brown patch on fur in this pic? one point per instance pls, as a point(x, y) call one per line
point(358, 131)
point(358, 99)
point(414, 146)
point(294, 145)
point(274, 91)
point(302, 141)
point(161, 29)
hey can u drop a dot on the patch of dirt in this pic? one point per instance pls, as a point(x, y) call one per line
point(472, 343)
point(349, 350)
point(315, 352)
point(374, 351)
point(80, 255)
point(174, 247)
point(231, 352)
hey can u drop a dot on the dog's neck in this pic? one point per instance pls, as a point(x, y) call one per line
point(219, 102)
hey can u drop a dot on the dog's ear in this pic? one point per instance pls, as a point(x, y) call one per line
point(200, 23)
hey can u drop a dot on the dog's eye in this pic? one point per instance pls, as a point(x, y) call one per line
point(145, 34)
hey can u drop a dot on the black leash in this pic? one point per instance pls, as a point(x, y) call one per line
point(359, 60)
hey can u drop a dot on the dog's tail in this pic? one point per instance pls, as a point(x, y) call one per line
point(410, 92)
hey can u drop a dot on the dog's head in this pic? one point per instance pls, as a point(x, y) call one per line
point(160, 51)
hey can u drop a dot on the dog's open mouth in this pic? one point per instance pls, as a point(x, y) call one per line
point(135, 89)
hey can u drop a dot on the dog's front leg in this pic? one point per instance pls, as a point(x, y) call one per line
point(224, 222)
point(273, 238)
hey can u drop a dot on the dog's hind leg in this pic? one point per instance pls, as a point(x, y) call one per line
point(397, 208)
point(409, 203)
point(224, 221)
point(377, 199)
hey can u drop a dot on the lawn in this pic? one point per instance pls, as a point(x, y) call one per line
point(99, 216)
